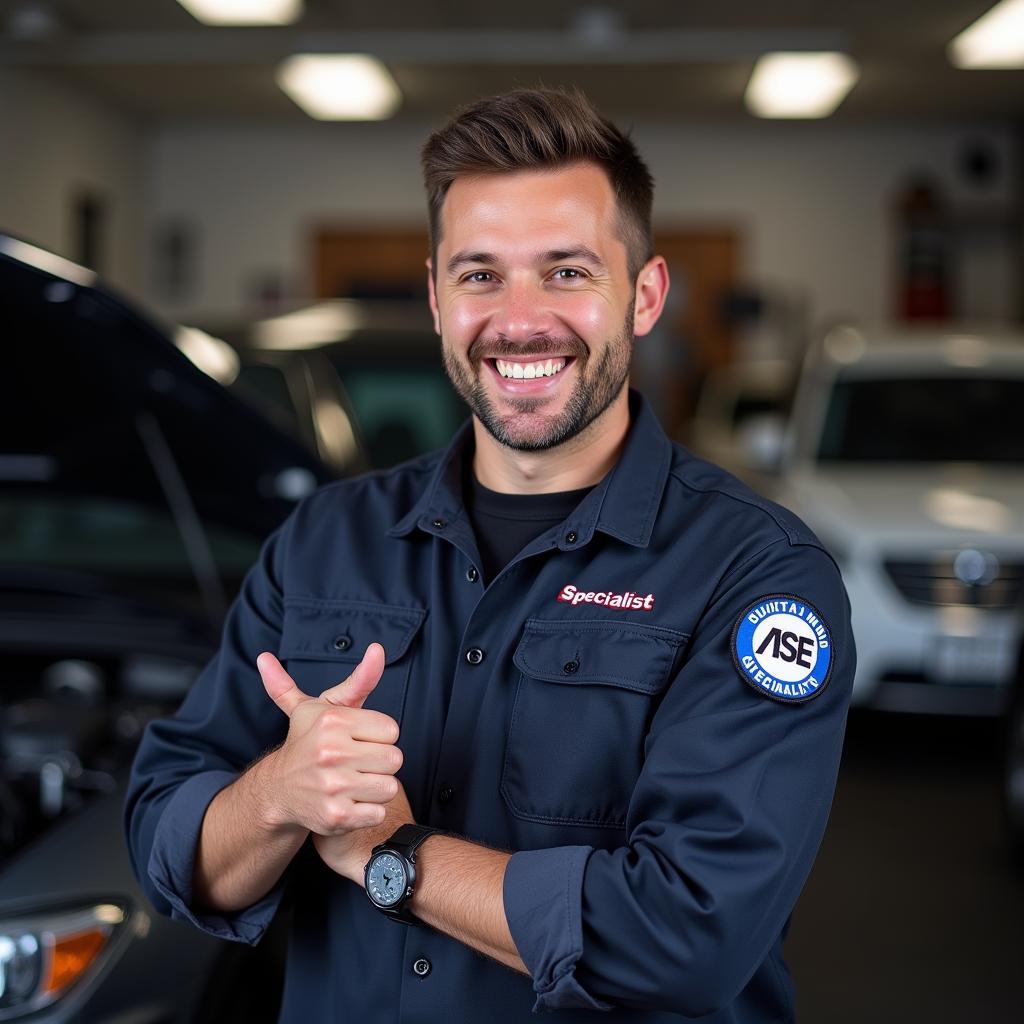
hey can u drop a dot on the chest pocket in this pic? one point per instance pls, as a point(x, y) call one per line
point(323, 640)
point(586, 694)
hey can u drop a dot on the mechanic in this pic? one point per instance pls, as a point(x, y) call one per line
point(562, 695)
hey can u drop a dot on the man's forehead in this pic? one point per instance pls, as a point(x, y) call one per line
point(553, 208)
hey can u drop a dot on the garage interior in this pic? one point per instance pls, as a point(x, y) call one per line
point(162, 154)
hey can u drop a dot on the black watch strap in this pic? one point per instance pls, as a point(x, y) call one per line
point(407, 838)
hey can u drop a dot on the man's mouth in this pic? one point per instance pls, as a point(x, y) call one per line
point(533, 370)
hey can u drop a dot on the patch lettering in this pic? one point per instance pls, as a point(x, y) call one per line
point(782, 647)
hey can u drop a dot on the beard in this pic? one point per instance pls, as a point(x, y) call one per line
point(527, 428)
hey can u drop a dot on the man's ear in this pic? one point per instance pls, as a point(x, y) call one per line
point(651, 291)
point(432, 294)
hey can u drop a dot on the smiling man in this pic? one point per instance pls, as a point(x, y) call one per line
point(561, 695)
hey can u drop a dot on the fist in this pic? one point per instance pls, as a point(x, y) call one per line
point(348, 853)
point(335, 770)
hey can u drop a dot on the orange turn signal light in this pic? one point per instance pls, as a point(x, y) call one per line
point(71, 956)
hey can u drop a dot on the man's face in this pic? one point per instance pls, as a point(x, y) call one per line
point(533, 301)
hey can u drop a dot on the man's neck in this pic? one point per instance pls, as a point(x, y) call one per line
point(581, 461)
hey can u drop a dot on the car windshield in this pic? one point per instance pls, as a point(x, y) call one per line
point(924, 419)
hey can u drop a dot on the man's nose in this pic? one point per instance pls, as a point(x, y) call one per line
point(523, 311)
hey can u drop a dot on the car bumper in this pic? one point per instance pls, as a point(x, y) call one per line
point(951, 659)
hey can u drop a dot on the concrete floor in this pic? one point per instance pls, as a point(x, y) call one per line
point(914, 911)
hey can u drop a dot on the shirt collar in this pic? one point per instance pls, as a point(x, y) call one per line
point(623, 505)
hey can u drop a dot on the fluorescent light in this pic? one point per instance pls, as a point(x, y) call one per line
point(800, 84)
point(244, 12)
point(340, 87)
point(995, 40)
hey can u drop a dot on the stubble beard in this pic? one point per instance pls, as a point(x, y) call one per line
point(527, 429)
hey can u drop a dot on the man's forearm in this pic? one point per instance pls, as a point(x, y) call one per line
point(240, 855)
point(459, 892)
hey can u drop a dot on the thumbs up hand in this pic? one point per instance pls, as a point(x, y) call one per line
point(335, 770)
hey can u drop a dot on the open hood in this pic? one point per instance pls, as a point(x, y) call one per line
point(119, 458)
point(97, 394)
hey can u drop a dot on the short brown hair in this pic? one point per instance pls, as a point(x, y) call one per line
point(540, 128)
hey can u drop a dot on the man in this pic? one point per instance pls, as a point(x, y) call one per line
point(611, 677)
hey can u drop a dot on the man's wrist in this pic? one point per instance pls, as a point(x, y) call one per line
point(269, 812)
point(366, 839)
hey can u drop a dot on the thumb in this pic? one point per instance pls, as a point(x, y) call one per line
point(279, 685)
point(353, 691)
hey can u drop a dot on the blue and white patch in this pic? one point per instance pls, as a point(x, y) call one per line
point(782, 647)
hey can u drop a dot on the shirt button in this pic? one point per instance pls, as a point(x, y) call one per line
point(342, 643)
point(446, 794)
point(571, 666)
point(474, 655)
point(570, 537)
point(472, 575)
point(440, 524)
point(421, 967)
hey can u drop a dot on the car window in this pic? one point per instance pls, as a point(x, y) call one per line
point(402, 413)
point(924, 419)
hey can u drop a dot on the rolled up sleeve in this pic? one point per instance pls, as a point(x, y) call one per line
point(723, 825)
point(225, 723)
point(542, 906)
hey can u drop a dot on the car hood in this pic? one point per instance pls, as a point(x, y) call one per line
point(103, 403)
point(941, 505)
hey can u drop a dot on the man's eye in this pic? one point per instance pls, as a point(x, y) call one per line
point(575, 275)
point(475, 277)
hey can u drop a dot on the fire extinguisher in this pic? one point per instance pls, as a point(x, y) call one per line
point(924, 290)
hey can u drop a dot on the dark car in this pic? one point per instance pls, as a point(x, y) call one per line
point(1013, 761)
point(135, 492)
point(360, 381)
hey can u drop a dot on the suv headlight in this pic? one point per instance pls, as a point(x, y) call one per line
point(44, 953)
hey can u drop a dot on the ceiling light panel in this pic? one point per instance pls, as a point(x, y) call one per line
point(995, 40)
point(340, 87)
point(244, 12)
point(800, 85)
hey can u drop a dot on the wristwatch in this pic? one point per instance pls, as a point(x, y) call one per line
point(390, 873)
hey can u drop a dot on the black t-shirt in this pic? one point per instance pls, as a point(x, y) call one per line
point(505, 523)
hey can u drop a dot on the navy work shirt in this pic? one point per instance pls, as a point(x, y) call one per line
point(601, 708)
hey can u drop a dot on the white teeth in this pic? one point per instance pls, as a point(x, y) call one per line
point(529, 371)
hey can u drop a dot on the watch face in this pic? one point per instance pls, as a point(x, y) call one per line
point(386, 880)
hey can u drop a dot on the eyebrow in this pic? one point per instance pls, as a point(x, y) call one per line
point(578, 252)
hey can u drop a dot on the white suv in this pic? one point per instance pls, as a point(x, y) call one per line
point(905, 455)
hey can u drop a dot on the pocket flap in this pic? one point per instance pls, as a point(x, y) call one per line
point(330, 630)
point(635, 656)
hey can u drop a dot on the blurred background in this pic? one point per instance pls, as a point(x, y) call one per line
point(213, 298)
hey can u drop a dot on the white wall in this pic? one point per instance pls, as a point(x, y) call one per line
point(817, 203)
point(55, 142)
point(813, 201)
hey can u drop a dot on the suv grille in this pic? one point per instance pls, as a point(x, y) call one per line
point(935, 582)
